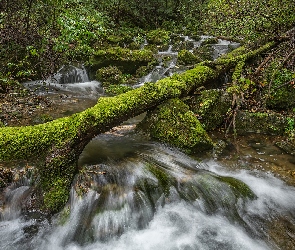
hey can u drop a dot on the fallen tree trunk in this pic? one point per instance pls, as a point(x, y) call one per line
point(61, 141)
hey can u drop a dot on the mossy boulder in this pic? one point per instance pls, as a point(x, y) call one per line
point(264, 123)
point(210, 40)
point(109, 75)
point(158, 37)
point(186, 57)
point(204, 52)
point(282, 91)
point(128, 61)
point(211, 107)
point(173, 123)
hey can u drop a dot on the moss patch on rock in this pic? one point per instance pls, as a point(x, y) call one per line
point(265, 123)
point(158, 37)
point(173, 123)
point(186, 57)
point(210, 40)
point(282, 90)
point(210, 107)
point(109, 75)
point(128, 61)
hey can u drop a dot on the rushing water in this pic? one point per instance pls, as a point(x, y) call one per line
point(140, 194)
point(132, 193)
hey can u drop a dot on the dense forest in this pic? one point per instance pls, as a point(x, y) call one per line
point(37, 37)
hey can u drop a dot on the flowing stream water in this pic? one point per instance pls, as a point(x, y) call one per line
point(132, 193)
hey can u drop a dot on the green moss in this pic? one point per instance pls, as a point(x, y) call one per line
point(109, 75)
point(175, 124)
point(117, 89)
point(125, 59)
point(264, 123)
point(210, 107)
point(30, 141)
point(58, 194)
point(282, 91)
point(211, 40)
point(240, 188)
point(187, 58)
point(165, 180)
point(158, 37)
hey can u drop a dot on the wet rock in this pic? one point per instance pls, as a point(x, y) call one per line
point(128, 61)
point(264, 123)
point(211, 107)
point(212, 40)
point(185, 57)
point(287, 145)
point(173, 123)
point(158, 37)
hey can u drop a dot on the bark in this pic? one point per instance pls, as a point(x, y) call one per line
point(60, 142)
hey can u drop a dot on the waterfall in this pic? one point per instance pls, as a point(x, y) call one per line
point(136, 194)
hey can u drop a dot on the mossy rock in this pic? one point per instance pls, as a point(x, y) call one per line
point(119, 40)
point(109, 75)
point(180, 45)
point(239, 188)
point(187, 58)
point(264, 123)
point(125, 59)
point(204, 52)
point(158, 37)
point(282, 92)
point(288, 145)
point(211, 107)
point(211, 40)
point(173, 123)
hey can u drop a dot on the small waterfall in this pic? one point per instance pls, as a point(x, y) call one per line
point(133, 194)
point(69, 74)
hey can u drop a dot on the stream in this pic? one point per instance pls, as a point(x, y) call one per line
point(133, 193)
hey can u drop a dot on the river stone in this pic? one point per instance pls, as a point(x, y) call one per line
point(173, 123)
point(211, 107)
point(263, 123)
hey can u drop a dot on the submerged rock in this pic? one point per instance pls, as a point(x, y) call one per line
point(173, 123)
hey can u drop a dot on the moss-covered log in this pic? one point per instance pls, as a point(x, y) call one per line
point(60, 142)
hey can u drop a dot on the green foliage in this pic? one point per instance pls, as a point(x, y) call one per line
point(249, 20)
point(7, 82)
point(79, 29)
point(282, 90)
